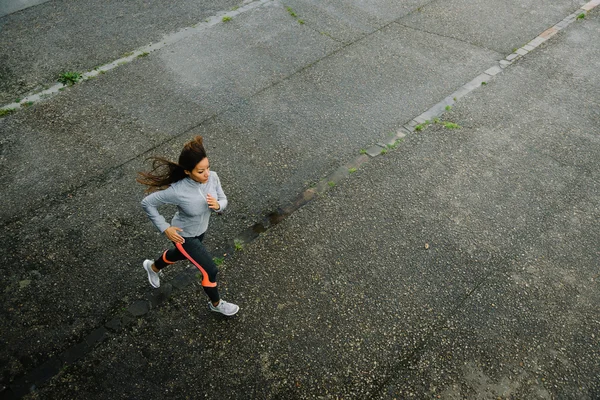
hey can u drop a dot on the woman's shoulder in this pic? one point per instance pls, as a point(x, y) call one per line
point(179, 186)
point(214, 176)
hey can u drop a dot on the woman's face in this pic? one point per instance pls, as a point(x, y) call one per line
point(200, 172)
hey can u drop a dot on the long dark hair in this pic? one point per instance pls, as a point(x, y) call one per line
point(165, 172)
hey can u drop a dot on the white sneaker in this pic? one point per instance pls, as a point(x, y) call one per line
point(224, 308)
point(152, 276)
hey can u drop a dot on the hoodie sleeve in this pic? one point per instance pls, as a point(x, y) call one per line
point(151, 203)
point(221, 198)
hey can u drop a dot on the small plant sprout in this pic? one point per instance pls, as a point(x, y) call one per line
point(331, 183)
point(451, 125)
point(292, 13)
point(301, 21)
point(454, 98)
point(383, 151)
point(395, 144)
point(6, 111)
point(448, 108)
point(419, 127)
point(352, 170)
point(218, 260)
point(226, 18)
point(69, 78)
point(130, 53)
point(144, 54)
point(483, 83)
point(581, 16)
point(436, 120)
point(363, 151)
point(27, 104)
point(239, 245)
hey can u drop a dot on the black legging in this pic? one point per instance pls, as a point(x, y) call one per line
point(194, 250)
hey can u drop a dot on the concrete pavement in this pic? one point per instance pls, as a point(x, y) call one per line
point(342, 299)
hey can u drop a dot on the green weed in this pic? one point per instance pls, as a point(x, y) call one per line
point(69, 78)
point(6, 111)
point(395, 144)
point(448, 108)
point(451, 125)
point(363, 151)
point(331, 183)
point(239, 245)
point(581, 16)
point(226, 18)
point(218, 260)
point(291, 12)
point(352, 170)
point(144, 54)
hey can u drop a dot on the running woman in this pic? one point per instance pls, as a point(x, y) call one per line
point(196, 191)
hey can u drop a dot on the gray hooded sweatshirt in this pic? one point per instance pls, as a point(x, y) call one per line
point(190, 198)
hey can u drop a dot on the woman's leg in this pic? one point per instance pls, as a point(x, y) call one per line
point(167, 258)
point(194, 250)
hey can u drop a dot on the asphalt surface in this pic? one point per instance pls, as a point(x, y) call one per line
point(462, 264)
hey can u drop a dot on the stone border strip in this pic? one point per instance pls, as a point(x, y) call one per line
point(140, 52)
point(47, 370)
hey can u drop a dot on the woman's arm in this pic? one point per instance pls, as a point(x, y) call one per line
point(221, 198)
point(151, 203)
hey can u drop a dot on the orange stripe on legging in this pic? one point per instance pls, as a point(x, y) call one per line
point(205, 281)
point(164, 257)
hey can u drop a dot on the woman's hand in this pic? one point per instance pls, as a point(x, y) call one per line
point(213, 204)
point(173, 236)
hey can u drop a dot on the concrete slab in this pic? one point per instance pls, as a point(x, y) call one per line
point(348, 21)
point(40, 43)
point(487, 23)
point(11, 6)
point(122, 114)
point(324, 115)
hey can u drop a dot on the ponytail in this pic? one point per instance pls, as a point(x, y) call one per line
point(165, 172)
